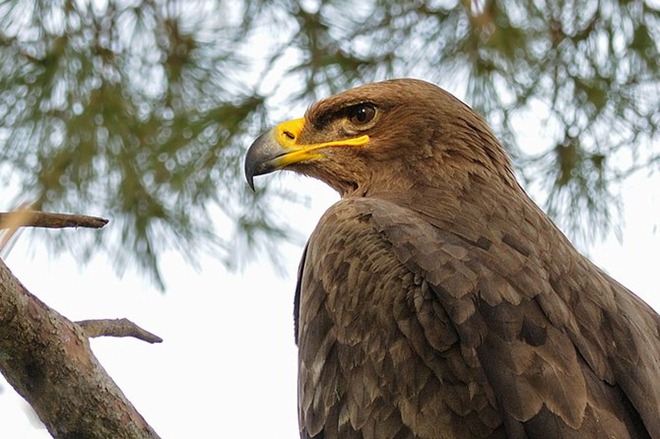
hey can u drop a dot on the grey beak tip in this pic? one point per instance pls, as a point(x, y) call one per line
point(249, 173)
point(258, 159)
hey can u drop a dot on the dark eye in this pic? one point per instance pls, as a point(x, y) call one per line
point(361, 114)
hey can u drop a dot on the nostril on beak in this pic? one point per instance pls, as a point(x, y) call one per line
point(289, 135)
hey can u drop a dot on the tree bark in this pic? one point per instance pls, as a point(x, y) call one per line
point(48, 360)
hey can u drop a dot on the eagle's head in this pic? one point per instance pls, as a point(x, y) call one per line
point(385, 136)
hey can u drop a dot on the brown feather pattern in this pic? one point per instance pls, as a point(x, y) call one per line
point(436, 300)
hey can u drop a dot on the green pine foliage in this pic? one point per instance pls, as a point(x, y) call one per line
point(140, 111)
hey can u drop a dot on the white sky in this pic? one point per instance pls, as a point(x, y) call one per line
point(227, 366)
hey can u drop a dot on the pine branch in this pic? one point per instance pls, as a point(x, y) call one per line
point(48, 360)
point(117, 328)
point(31, 218)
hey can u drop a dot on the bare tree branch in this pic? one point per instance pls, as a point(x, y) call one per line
point(32, 218)
point(47, 359)
point(117, 328)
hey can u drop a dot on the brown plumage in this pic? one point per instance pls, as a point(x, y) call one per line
point(436, 300)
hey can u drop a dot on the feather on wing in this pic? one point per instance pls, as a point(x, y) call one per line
point(413, 329)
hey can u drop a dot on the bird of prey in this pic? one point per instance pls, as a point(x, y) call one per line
point(436, 300)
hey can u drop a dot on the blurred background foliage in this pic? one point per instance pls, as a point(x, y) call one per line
point(140, 111)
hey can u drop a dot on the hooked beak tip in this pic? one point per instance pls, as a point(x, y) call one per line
point(258, 159)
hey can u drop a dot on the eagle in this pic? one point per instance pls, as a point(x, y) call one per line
point(435, 299)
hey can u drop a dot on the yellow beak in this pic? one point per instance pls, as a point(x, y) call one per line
point(280, 147)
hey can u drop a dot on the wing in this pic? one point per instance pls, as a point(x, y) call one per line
point(407, 330)
point(374, 346)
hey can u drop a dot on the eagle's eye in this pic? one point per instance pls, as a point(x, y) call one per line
point(361, 114)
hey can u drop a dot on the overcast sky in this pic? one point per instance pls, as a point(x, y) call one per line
point(227, 367)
